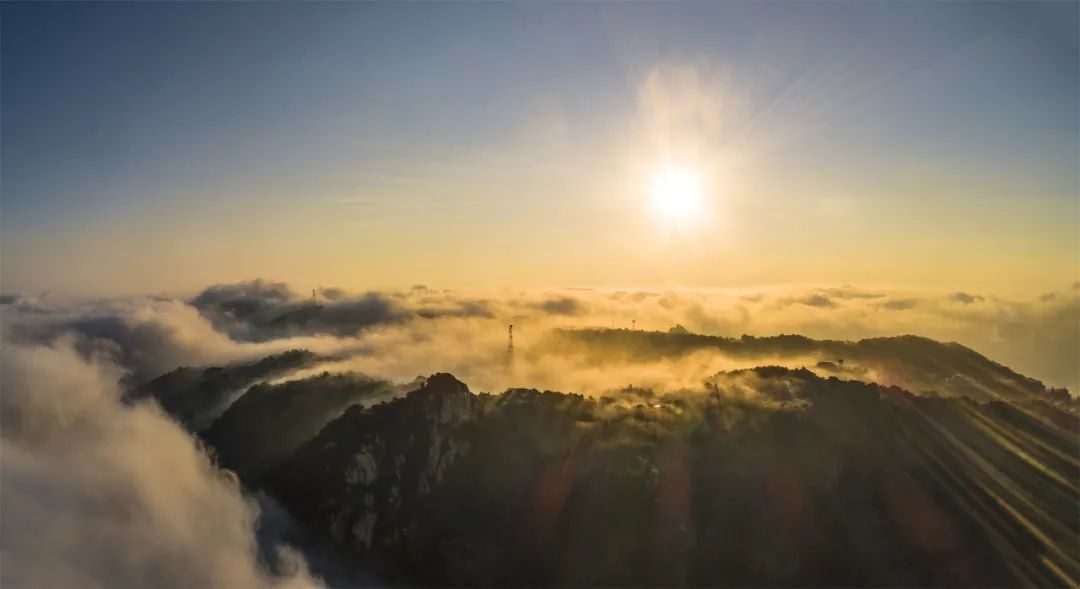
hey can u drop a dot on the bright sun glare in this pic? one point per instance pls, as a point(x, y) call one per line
point(676, 192)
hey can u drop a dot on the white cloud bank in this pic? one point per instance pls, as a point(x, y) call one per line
point(97, 493)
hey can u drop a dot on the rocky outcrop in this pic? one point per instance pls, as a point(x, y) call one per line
point(363, 470)
point(375, 460)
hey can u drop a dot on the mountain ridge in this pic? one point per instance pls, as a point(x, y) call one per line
point(783, 475)
point(396, 480)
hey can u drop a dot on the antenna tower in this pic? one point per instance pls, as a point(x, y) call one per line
point(510, 342)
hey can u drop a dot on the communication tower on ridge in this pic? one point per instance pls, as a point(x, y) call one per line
point(510, 342)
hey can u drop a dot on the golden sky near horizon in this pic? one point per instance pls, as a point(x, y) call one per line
point(930, 148)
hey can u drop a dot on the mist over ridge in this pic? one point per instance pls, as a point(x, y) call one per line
point(271, 384)
point(248, 320)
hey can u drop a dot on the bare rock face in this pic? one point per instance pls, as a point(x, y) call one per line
point(376, 463)
point(443, 451)
point(363, 470)
point(364, 528)
point(446, 399)
point(447, 402)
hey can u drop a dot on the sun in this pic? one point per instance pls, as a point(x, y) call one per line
point(676, 192)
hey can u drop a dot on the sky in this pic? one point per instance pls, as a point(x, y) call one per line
point(152, 147)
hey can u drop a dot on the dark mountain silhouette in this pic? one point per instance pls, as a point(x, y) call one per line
point(197, 397)
point(765, 476)
point(268, 422)
point(819, 482)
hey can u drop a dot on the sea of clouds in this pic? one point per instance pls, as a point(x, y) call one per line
point(98, 491)
point(402, 334)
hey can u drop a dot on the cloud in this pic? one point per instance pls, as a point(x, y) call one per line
point(402, 334)
point(333, 293)
point(816, 300)
point(823, 298)
point(965, 298)
point(260, 310)
point(561, 306)
point(681, 107)
point(475, 351)
point(850, 292)
point(1041, 340)
point(902, 304)
point(146, 336)
point(102, 494)
point(243, 299)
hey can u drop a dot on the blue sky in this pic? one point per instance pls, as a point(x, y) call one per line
point(161, 146)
